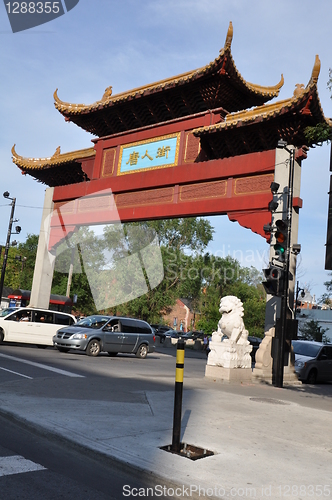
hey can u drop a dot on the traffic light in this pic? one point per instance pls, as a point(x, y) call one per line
point(274, 283)
point(281, 239)
point(273, 204)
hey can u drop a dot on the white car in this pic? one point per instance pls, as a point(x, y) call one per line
point(33, 326)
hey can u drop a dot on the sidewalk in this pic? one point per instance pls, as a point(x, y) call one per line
point(265, 445)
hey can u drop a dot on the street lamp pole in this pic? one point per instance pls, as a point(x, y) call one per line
point(298, 290)
point(11, 220)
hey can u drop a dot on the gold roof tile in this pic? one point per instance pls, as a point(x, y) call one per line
point(57, 159)
point(109, 99)
point(268, 110)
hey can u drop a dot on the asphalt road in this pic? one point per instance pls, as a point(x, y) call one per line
point(33, 466)
point(125, 372)
point(54, 469)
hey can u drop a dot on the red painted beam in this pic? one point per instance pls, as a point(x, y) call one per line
point(182, 174)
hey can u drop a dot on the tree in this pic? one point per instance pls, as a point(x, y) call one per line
point(311, 330)
point(122, 271)
point(227, 277)
point(69, 252)
point(321, 132)
point(181, 241)
point(21, 264)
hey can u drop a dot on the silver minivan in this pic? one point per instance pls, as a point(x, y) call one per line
point(111, 334)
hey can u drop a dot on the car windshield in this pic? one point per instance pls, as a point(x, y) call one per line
point(93, 322)
point(7, 311)
point(304, 349)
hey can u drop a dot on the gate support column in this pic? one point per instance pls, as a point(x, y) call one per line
point(264, 360)
point(44, 267)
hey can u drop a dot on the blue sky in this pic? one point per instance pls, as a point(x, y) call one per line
point(128, 43)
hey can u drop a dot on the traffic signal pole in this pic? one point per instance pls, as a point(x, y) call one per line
point(280, 354)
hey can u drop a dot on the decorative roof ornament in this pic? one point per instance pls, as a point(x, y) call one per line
point(107, 93)
point(229, 37)
point(299, 89)
point(315, 70)
point(57, 153)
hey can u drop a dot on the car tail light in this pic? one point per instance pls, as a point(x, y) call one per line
point(154, 338)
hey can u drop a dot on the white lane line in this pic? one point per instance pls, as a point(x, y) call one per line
point(17, 465)
point(16, 373)
point(40, 365)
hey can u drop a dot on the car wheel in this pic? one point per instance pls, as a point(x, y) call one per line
point(112, 354)
point(1, 336)
point(62, 349)
point(312, 377)
point(93, 348)
point(142, 351)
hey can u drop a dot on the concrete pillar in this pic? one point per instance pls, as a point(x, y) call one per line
point(44, 266)
point(263, 365)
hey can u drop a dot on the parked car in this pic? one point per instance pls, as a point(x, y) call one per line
point(160, 331)
point(174, 334)
point(111, 334)
point(194, 335)
point(313, 361)
point(33, 326)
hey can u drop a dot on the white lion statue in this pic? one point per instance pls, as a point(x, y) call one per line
point(231, 322)
point(234, 351)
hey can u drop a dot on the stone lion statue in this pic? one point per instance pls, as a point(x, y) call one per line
point(231, 322)
point(234, 351)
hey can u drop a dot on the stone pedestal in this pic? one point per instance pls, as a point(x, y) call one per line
point(228, 374)
point(229, 361)
point(229, 354)
point(263, 363)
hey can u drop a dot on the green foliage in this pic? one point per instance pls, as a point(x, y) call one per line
point(228, 278)
point(310, 330)
point(318, 135)
point(181, 270)
point(21, 263)
point(321, 132)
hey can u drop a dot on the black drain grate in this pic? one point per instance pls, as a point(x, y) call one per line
point(189, 451)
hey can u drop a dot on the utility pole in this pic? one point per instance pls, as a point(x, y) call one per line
point(18, 230)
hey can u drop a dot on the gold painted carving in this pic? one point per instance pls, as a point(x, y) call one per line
point(95, 203)
point(192, 149)
point(203, 191)
point(108, 162)
point(158, 196)
point(253, 184)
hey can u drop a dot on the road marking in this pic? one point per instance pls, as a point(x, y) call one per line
point(16, 373)
point(17, 465)
point(40, 365)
